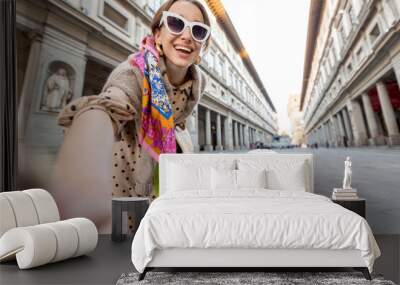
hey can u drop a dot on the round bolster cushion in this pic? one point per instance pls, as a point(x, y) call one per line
point(40, 244)
point(26, 208)
point(6, 216)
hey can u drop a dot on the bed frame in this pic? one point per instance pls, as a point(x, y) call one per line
point(245, 259)
point(249, 259)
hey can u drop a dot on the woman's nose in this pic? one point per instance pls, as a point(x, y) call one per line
point(186, 34)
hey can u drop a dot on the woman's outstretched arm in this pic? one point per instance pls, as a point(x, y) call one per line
point(81, 181)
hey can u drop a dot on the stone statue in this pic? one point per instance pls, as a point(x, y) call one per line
point(57, 90)
point(347, 174)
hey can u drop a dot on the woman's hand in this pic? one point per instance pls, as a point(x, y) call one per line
point(81, 183)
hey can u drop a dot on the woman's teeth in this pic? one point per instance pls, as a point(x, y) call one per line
point(183, 49)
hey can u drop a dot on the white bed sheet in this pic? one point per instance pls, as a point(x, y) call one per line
point(250, 218)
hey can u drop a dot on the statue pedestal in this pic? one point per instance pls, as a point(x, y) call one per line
point(344, 190)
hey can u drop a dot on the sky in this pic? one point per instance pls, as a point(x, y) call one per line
point(274, 34)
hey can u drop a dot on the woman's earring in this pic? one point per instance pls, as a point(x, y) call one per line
point(159, 49)
point(198, 60)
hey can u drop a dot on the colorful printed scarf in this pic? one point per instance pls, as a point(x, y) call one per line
point(157, 130)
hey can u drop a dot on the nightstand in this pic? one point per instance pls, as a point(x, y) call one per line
point(135, 205)
point(357, 205)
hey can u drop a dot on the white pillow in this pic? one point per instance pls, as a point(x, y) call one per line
point(287, 176)
point(251, 178)
point(282, 174)
point(223, 179)
point(183, 177)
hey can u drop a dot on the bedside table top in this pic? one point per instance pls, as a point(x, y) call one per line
point(349, 200)
point(130, 199)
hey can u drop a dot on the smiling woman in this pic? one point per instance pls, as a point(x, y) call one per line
point(114, 139)
point(180, 46)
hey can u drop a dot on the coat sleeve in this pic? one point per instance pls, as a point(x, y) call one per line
point(120, 98)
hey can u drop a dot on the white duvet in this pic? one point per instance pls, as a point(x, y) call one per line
point(253, 218)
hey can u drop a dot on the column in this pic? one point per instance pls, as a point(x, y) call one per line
point(338, 134)
point(358, 124)
point(320, 138)
point(31, 73)
point(315, 136)
point(237, 144)
point(228, 132)
point(239, 126)
point(246, 136)
point(347, 125)
point(219, 133)
point(234, 134)
point(326, 134)
point(396, 68)
point(388, 114)
point(208, 146)
point(334, 132)
point(342, 133)
point(243, 145)
point(192, 124)
point(371, 121)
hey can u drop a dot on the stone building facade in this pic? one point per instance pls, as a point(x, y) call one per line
point(350, 94)
point(296, 119)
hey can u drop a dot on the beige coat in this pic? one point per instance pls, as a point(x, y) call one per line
point(132, 168)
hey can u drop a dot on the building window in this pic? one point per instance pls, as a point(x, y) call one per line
point(219, 68)
point(359, 54)
point(152, 6)
point(230, 77)
point(349, 68)
point(236, 82)
point(222, 64)
point(212, 60)
point(374, 34)
point(138, 33)
point(208, 60)
point(342, 36)
point(332, 58)
point(115, 17)
point(326, 68)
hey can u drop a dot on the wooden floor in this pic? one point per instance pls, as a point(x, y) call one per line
point(111, 259)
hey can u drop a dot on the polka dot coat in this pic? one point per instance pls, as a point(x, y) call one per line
point(132, 168)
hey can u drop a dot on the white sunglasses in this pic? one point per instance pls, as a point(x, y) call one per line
point(176, 24)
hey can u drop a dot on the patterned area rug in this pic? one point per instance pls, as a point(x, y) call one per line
point(242, 278)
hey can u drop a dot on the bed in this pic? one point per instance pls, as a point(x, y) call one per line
point(247, 210)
